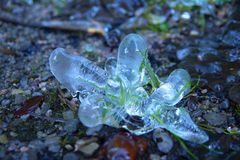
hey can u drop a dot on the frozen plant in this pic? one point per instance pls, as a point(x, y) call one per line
point(117, 95)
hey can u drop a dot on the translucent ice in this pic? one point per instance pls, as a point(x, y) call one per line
point(131, 52)
point(75, 72)
point(117, 96)
point(178, 121)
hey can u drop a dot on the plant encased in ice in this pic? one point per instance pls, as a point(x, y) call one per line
point(116, 96)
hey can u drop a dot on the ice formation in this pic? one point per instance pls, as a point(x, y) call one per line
point(116, 96)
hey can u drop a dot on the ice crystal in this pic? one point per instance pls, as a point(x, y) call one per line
point(116, 96)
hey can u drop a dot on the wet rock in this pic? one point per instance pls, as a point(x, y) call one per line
point(44, 108)
point(87, 146)
point(232, 38)
point(234, 93)
point(19, 98)
point(37, 94)
point(24, 82)
point(53, 144)
point(215, 119)
point(89, 149)
point(45, 76)
point(224, 104)
point(71, 125)
point(181, 54)
point(70, 156)
point(36, 144)
point(164, 141)
point(5, 102)
point(68, 115)
point(3, 139)
point(29, 155)
point(154, 157)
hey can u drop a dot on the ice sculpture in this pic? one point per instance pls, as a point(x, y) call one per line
point(116, 96)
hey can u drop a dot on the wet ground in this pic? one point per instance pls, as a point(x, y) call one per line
point(38, 116)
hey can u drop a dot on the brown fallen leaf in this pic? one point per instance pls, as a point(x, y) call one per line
point(29, 106)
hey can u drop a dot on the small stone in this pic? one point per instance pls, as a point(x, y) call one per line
point(29, 155)
point(19, 98)
point(181, 54)
point(45, 76)
point(204, 91)
point(194, 33)
point(68, 115)
point(186, 16)
point(164, 141)
point(224, 104)
point(13, 134)
point(36, 145)
point(234, 94)
point(53, 144)
point(37, 94)
point(3, 139)
point(70, 156)
point(24, 149)
point(5, 102)
point(68, 147)
point(89, 149)
point(38, 111)
point(71, 125)
point(44, 108)
point(24, 82)
point(49, 113)
point(154, 157)
point(54, 148)
point(17, 91)
point(215, 119)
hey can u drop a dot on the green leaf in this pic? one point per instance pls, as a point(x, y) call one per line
point(121, 93)
point(155, 82)
point(189, 152)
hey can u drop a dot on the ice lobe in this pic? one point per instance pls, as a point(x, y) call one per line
point(131, 52)
point(178, 121)
point(170, 92)
point(76, 73)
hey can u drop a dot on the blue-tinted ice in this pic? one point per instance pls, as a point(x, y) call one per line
point(116, 96)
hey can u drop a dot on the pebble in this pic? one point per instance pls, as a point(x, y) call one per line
point(87, 146)
point(224, 104)
point(44, 108)
point(71, 125)
point(68, 115)
point(29, 155)
point(49, 113)
point(19, 98)
point(24, 149)
point(68, 147)
point(70, 156)
point(234, 94)
point(36, 144)
point(5, 102)
point(164, 141)
point(89, 149)
point(215, 119)
point(37, 94)
point(24, 82)
point(3, 139)
point(17, 91)
point(154, 157)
